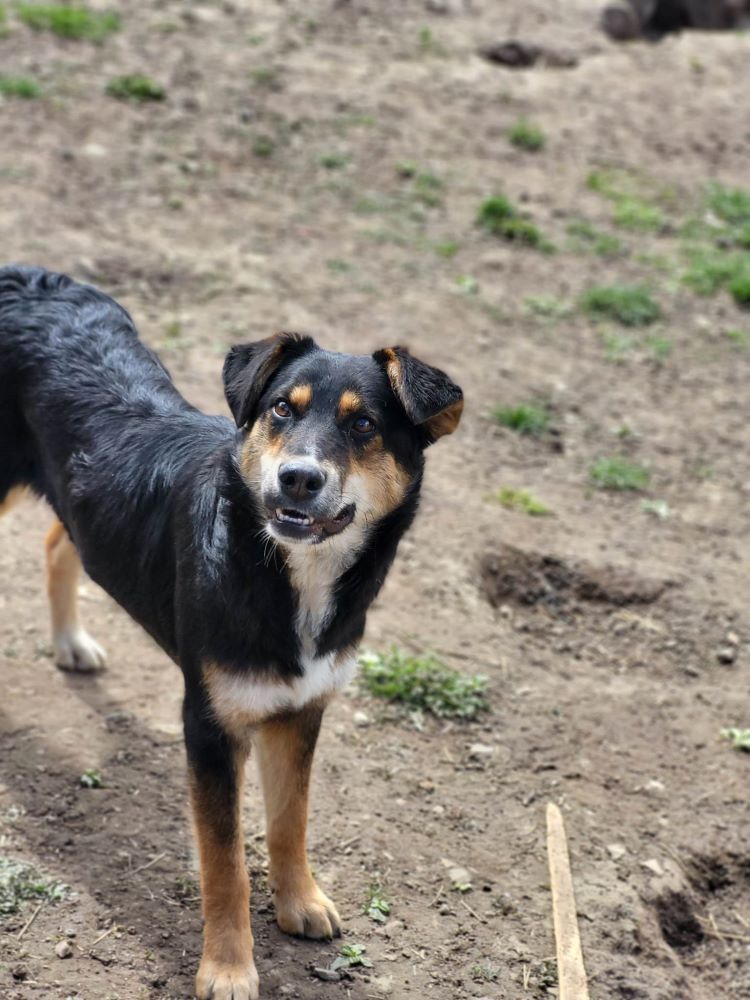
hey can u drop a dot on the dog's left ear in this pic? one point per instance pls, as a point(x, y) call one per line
point(431, 399)
point(249, 367)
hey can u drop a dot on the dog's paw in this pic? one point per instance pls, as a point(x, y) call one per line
point(226, 982)
point(308, 914)
point(76, 650)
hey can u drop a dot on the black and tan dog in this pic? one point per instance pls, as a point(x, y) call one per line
point(250, 553)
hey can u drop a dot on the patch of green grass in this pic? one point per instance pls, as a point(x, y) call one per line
point(619, 474)
point(484, 972)
point(69, 21)
point(263, 146)
point(740, 338)
point(377, 907)
point(731, 205)
point(468, 284)
point(136, 87)
point(447, 249)
point(587, 238)
point(19, 86)
point(710, 270)
point(526, 418)
point(632, 213)
point(427, 188)
point(630, 305)
point(20, 882)
point(660, 347)
point(739, 738)
point(525, 135)
point(501, 218)
point(548, 306)
point(334, 161)
point(424, 683)
point(521, 501)
point(739, 287)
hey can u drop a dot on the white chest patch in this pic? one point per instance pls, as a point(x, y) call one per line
point(241, 700)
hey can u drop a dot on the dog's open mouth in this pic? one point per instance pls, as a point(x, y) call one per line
point(296, 524)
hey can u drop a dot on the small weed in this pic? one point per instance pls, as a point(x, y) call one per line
point(586, 238)
point(407, 169)
point(20, 881)
point(462, 887)
point(423, 682)
point(731, 205)
point(377, 907)
point(632, 213)
point(19, 86)
point(263, 146)
point(427, 188)
point(619, 474)
point(521, 501)
point(351, 956)
point(501, 218)
point(739, 738)
point(660, 347)
point(631, 305)
point(739, 287)
point(173, 330)
point(69, 22)
point(334, 161)
point(710, 270)
point(468, 284)
point(91, 778)
point(136, 87)
point(447, 249)
point(484, 972)
point(525, 135)
point(428, 45)
point(526, 418)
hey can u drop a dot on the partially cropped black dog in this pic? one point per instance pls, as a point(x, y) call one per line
point(250, 553)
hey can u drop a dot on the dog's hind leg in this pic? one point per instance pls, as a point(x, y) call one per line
point(74, 647)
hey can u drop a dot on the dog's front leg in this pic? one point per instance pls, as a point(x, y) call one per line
point(285, 748)
point(216, 765)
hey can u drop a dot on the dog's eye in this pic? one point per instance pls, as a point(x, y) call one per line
point(363, 425)
point(282, 409)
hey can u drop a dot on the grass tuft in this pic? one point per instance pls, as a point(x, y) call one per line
point(19, 86)
point(731, 205)
point(20, 882)
point(501, 218)
point(424, 683)
point(520, 500)
point(526, 418)
point(632, 213)
point(69, 21)
point(586, 238)
point(630, 305)
point(619, 474)
point(525, 135)
point(136, 87)
point(739, 287)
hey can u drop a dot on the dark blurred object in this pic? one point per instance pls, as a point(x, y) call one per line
point(521, 55)
point(628, 19)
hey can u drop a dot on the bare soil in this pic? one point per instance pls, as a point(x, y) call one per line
point(212, 216)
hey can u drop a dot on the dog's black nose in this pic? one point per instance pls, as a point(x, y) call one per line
point(301, 480)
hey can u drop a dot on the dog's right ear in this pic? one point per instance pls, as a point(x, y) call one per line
point(248, 368)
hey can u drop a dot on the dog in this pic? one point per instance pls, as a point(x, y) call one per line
point(250, 550)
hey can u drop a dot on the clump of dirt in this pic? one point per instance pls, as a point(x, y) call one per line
point(512, 575)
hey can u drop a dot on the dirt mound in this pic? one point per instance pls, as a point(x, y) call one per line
point(511, 575)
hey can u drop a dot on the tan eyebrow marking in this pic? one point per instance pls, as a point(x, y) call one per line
point(349, 403)
point(300, 396)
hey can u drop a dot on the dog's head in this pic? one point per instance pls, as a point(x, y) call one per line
point(330, 439)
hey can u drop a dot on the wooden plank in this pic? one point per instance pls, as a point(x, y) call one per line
point(570, 969)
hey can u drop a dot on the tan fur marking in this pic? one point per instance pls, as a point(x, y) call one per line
point(393, 368)
point(225, 885)
point(349, 404)
point(63, 570)
point(285, 750)
point(387, 481)
point(300, 397)
point(14, 496)
point(238, 722)
point(447, 421)
point(257, 443)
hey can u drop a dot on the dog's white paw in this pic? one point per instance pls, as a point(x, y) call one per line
point(76, 650)
point(217, 982)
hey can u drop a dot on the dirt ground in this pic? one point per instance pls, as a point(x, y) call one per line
point(264, 194)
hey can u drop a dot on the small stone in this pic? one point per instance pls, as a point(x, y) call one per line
point(733, 639)
point(459, 876)
point(727, 654)
point(616, 851)
point(361, 719)
point(384, 984)
point(63, 949)
point(653, 866)
point(655, 787)
point(327, 975)
point(480, 750)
